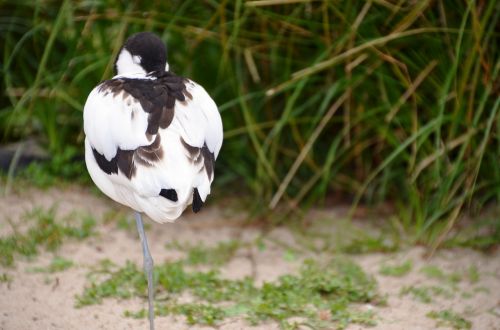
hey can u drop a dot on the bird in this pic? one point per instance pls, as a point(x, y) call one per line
point(151, 139)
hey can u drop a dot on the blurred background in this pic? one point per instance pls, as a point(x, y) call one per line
point(360, 103)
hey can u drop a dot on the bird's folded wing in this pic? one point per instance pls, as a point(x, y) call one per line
point(124, 113)
point(198, 120)
point(141, 129)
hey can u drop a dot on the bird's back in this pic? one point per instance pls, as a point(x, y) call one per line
point(151, 142)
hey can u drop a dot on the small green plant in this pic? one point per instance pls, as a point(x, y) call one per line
point(204, 255)
point(58, 264)
point(396, 270)
point(369, 244)
point(121, 220)
point(199, 313)
point(44, 231)
point(346, 316)
point(63, 167)
point(121, 283)
point(124, 223)
point(289, 255)
point(432, 271)
point(5, 278)
point(196, 313)
point(473, 274)
point(218, 255)
point(448, 318)
point(426, 294)
point(483, 234)
point(418, 293)
point(333, 287)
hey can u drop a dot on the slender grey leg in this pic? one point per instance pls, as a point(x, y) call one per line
point(148, 267)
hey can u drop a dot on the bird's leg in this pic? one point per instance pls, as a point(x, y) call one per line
point(148, 267)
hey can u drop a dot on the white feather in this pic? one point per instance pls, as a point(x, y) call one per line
point(109, 124)
point(200, 120)
point(128, 64)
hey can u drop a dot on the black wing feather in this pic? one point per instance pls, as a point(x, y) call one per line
point(197, 202)
point(156, 96)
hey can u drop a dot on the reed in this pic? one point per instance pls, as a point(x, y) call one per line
point(374, 100)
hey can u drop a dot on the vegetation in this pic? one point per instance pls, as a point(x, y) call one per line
point(43, 231)
point(450, 319)
point(474, 237)
point(446, 284)
point(5, 278)
point(326, 292)
point(435, 272)
point(427, 293)
point(321, 294)
point(373, 100)
point(201, 254)
point(58, 264)
point(396, 270)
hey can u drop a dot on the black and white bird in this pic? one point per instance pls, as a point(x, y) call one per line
point(152, 138)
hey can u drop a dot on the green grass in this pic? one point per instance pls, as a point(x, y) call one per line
point(203, 255)
point(339, 235)
point(62, 168)
point(435, 272)
point(5, 278)
point(445, 286)
point(427, 293)
point(321, 294)
point(196, 313)
point(398, 270)
point(473, 274)
point(375, 101)
point(369, 243)
point(448, 318)
point(58, 264)
point(43, 232)
point(481, 235)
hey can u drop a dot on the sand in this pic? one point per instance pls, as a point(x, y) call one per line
point(46, 301)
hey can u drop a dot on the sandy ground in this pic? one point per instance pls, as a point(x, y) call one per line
point(38, 301)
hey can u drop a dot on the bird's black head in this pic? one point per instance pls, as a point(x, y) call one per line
point(144, 53)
